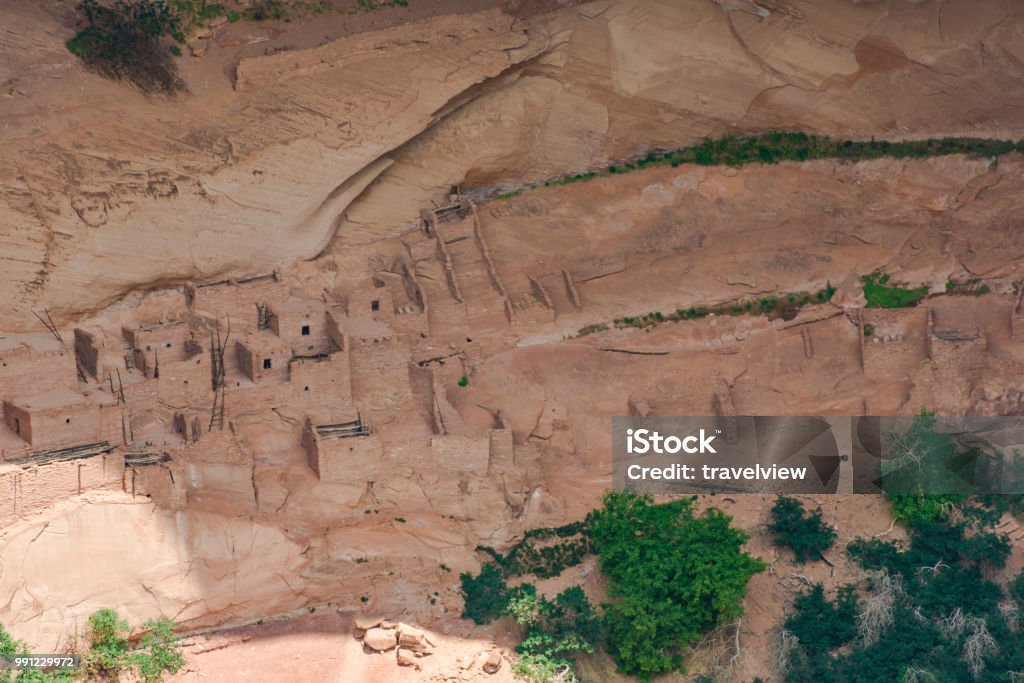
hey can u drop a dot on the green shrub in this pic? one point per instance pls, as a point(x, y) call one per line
point(910, 508)
point(556, 631)
point(486, 595)
point(123, 40)
point(775, 147)
point(672, 576)
point(822, 625)
point(108, 643)
point(543, 561)
point(805, 533)
point(463, 381)
point(267, 10)
point(108, 654)
point(158, 651)
point(880, 294)
point(940, 614)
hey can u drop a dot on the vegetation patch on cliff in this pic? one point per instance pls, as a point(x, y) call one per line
point(107, 653)
point(673, 575)
point(778, 146)
point(125, 40)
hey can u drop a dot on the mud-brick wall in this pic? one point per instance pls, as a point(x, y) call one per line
point(288, 325)
point(328, 382)
point(77, 423)
point(112, 421)
point(25, 492)
point(352, 460)
point(412, 324)
point(461, 453)
point(965, 358)
point(892, 360)
point(158, 482)
point(24, 372)
point(237, 301)
point(87, 351)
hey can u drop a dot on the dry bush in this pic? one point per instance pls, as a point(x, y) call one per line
point(916, 675)
point(877, 611)
point(978, 645)
point(785, 643)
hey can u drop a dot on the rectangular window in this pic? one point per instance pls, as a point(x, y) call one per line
point(305, 330)
point(374, 305)
point(266, 363)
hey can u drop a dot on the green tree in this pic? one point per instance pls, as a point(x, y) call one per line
point(158, 651)
point(805, 533)
point(123, 40)
point(10, 647)
point(108, 643)
point(556, 632)
point(672, 575)
point(486, 595)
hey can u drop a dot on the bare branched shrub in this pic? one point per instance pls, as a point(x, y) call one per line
point(877, 611)
point(916, 675)
point(954, 513)
point(785, 643)
point(978, 645)
point(952, 625)
point(1011, 614)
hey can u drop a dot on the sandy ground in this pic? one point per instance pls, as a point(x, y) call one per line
point(319, 647)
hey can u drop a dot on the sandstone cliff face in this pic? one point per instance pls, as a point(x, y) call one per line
point(107, 191)
point(328, 151)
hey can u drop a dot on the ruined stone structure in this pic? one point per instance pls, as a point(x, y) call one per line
point(894, 341)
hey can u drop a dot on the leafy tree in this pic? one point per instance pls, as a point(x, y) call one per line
point(158, 652)
point(880, 294)
point(556, 632)
point(486, 595)
point(123, 40)
point(108, 643)
point(10, 647)
point(948, 622)
point(673, 575)
point(806, 534)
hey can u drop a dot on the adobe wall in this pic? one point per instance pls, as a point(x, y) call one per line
point(288, 325)
point(251, 356)
point(187, 382)
point(77, 423)
point(235, 300)
point(461, 453)
point(381, 388)
point(87, 352)
point(962, 357)
point(154, 346)
point(19, 421)
point(25, 492)
point(897, 344)
point(23, 370)
point(350, 460)
point(157, 482)
point(329, 380)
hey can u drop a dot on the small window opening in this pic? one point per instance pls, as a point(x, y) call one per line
point(305, 330)
point(266, 363)
point(374, 305)
point(67, 420)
